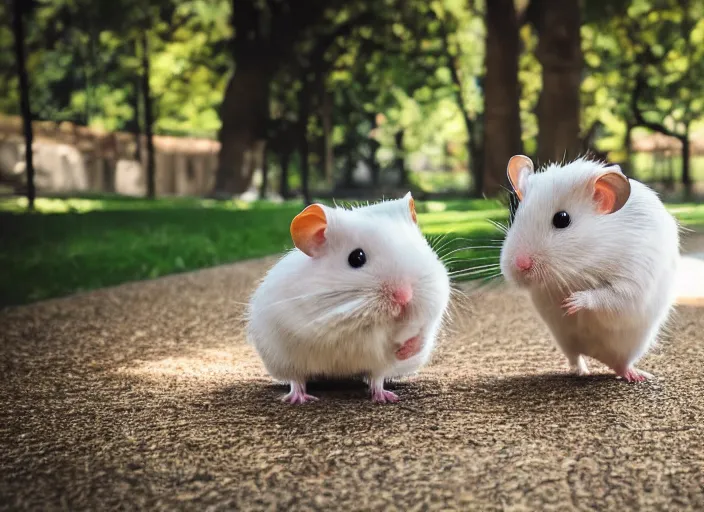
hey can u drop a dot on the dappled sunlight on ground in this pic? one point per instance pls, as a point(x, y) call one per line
point(203, 365)
point(122, 203)
point(690, 281)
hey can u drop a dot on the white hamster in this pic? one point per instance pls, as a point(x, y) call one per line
point(598, 253)
point(361, 294)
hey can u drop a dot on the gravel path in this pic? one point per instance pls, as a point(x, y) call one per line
point(146, 396)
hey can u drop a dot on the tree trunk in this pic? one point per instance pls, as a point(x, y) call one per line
point(349, 172)
point(148, 119)
point(475, 160)
point(329, 158)
point(475, 169)
point(628, 164)
point(137, 119)
point(559, 52)
point(502, 122)
point(305, 168)
point(686, 178)
point(90, 74)
point(265, 176)
point(400, 160)
point(284, 160)
point(137, 130)
point(372, 162)
point(18, 30)
point(303, 148)
point(350, 162)
point(244, 114)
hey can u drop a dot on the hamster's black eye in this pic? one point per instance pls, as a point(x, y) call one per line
point(357, 258)
point(561, 220)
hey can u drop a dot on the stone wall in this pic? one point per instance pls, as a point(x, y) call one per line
point(71, 158)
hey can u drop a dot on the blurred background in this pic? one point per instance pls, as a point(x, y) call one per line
point(170, 135)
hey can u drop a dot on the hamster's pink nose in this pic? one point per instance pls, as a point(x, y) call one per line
point(402, 295)
point(524, 263)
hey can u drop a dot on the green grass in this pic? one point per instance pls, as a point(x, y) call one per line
point(86, 243)
point(98, 243)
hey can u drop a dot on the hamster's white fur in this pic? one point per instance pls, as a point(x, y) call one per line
point(604, 285)
point(319, 316)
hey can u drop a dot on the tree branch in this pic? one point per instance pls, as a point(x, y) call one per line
point(638, 113)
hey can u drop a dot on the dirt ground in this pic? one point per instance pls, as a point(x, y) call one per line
point(145, 396)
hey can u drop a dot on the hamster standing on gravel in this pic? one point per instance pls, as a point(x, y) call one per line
point(598, 253)
point(361, 294)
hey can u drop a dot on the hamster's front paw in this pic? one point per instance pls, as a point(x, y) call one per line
point(576, 302)
point(632, 374)
point(410, 348)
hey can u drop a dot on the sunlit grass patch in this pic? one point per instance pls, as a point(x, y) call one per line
point(84, 243)
point(88, 203)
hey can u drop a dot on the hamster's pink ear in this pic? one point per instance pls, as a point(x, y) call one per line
point(611, 190)
point(411, 207)
point(519, 168)
point(308, 230)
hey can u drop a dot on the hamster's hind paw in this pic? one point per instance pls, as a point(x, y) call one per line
point(381, 395)
point(384, 396)
point(578, 366)
point(298, 395)
point(634, 375)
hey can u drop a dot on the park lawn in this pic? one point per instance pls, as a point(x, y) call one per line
point(87, 243)
point(97, 243)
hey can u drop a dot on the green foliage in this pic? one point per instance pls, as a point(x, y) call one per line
point(418, 63)
point(9, 93)
point(654, 43)
point(190, 68)
point(672, 59)
point(530, 79)
point(84, 65)
point(405, 74)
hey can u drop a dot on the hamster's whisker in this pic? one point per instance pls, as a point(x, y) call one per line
point(498, 225)
point(434, 240)
point(345, 310)
point(469, 248)
point(319, 296)
point(472, 271)
point(482, 240)
point(479, 278)
point(456, 291)
point(478, 273)
point(482, 272)
point(444, 245)
point(506, 189)
point(563, 282)
point(345, 307)
point(479, 267)
point(457, 260)
point(542, 277)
